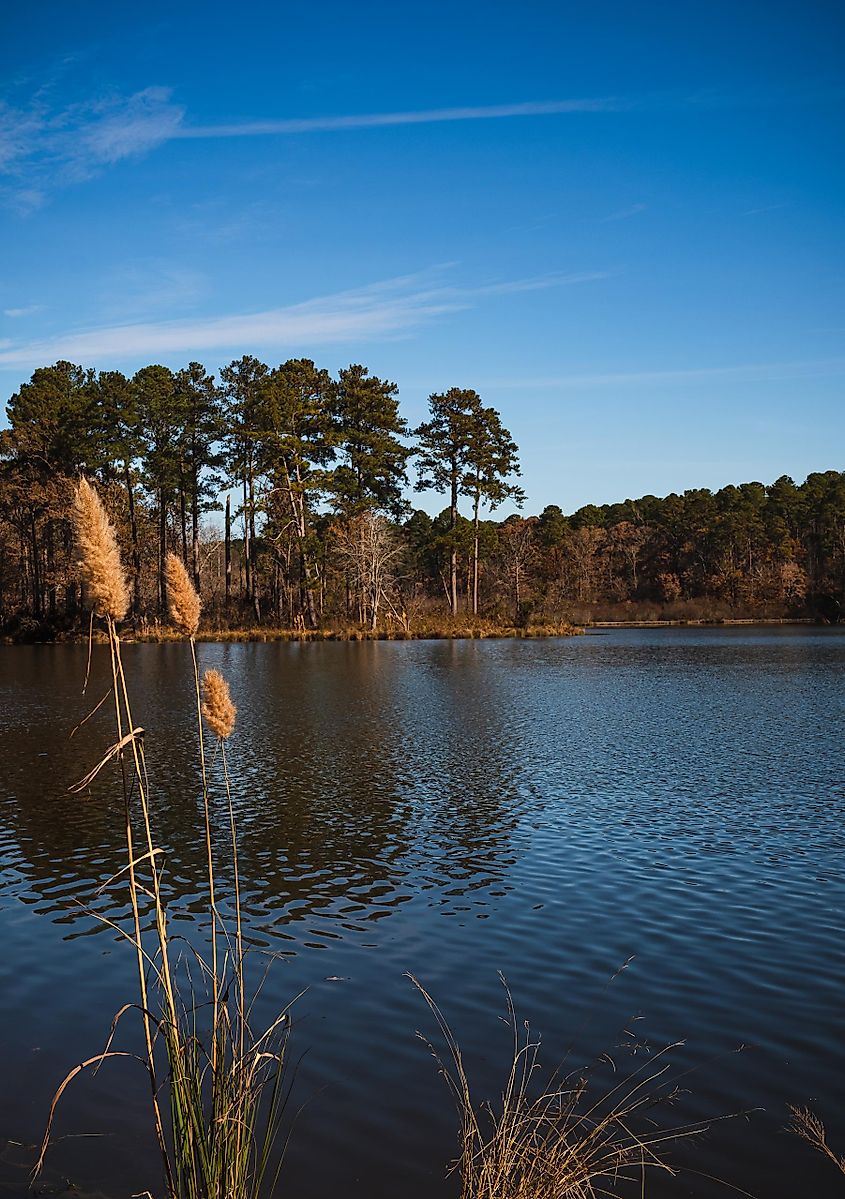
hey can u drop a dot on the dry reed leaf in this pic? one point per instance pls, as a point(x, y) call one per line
point(217, 707)
point(183, 603)
point(99, 558)
point(113, 751)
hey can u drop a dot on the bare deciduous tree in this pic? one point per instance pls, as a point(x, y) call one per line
point(366, 546)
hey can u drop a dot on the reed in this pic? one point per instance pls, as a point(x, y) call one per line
point(221, 1085)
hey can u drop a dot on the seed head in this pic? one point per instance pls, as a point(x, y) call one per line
point(183, 603)
point(217, 706)
point(98, 557)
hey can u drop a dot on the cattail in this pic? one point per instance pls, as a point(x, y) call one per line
point(183, 603)
point(217, 706)
point(99, 558)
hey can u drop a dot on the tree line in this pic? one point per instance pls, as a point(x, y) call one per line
point(282, 488)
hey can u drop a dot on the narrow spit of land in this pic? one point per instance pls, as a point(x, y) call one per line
point(482, 631)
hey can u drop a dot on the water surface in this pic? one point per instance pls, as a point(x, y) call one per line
point(668, 798)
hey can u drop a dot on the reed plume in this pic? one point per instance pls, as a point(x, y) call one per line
point(98, 555)
point(217, 707)
point(183, 603)
point(808, 1126)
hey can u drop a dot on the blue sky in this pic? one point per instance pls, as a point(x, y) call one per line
point(621, 223)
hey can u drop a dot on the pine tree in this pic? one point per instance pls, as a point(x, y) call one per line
point(296, 445)
point(491, 460)
point(443, 459)
point(161, 420)
point(243, 381)
point(200, 409)
point(372, 469)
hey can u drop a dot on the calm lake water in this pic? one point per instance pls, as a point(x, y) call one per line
point(547, 809)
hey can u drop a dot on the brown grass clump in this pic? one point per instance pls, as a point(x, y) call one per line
point(551, 1138)
point(183, 603)
point(217, 706)
point(809, 1128)
point(99, 557)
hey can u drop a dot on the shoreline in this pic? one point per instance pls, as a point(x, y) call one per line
point(711, 622)
point(438, 633)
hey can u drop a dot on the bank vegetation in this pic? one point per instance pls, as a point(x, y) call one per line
point(283, 492)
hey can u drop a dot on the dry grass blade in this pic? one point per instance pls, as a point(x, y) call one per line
point(545, 1138)
point(807, 1125)
point(93, 712)
point(114, 751)
point(96, 1060)
point(133, 865)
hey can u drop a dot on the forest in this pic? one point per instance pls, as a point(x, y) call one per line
point(283, 491)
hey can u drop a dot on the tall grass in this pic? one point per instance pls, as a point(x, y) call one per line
point(217, 1089)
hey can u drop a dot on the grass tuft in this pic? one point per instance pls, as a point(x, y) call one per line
point(549, 1137)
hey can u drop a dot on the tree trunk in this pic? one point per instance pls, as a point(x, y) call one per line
point(195, 536)
point(306, 581)
point(36, 570)
point(184, 515)
point(162, 553)
point(228, 548)
point(453, 554)
point(136, 553)
point(247, 548)
point(51, 571)
point(475, 556)
point(256, 606)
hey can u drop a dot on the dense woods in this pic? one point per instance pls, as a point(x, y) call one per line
point(283, 491)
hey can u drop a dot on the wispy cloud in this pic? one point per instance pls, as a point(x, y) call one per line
point(29, 310)
point(707, 98)
point(125, 128)
point(385, 309)
point(425, 116)
point(72, 143)
point(623, 213)
point(43, 147)
point(755, 372)
point(766, 208)
point(138, 288)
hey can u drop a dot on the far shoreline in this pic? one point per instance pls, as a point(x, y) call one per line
point(160, 636)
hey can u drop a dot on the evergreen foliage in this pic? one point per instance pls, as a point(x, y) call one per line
point(312, 472)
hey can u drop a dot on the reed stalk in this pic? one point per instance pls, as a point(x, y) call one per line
point(184, 608)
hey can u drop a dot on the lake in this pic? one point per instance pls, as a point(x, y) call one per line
point(672, 799)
